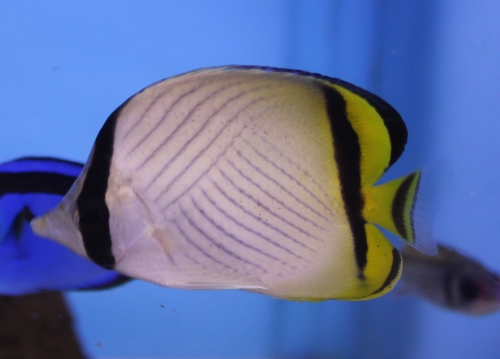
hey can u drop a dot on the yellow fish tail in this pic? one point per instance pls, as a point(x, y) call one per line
point(392, 206)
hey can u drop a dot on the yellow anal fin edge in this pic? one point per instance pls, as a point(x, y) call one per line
point(382, 271)
point(392, 205)
point(383, 267)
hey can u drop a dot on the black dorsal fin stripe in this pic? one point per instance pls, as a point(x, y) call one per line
point(91, 202)
point(393, 273)
point(347, 154)
point(398, 206)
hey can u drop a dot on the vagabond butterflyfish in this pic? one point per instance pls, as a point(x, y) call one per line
point(252, 178)
point(451, 280)
point(29, 264)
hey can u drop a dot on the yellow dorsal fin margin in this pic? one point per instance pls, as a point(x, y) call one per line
point(373, 136)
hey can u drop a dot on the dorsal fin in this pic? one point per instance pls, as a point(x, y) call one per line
point(394, 124)
point(381, 133)
point(368, 105)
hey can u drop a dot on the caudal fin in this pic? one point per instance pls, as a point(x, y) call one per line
point(393, 206)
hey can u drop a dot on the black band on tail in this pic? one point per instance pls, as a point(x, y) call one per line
point(398, 207)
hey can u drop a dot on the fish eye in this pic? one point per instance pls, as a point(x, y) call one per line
point(468, 289)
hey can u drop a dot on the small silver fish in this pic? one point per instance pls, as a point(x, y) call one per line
point(451, 280)
point(30, 187)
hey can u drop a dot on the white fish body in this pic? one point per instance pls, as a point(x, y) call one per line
point(226, 178)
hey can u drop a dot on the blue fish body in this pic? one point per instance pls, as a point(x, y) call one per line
point(30, 187)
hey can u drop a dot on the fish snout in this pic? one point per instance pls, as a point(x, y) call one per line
point(58, 225)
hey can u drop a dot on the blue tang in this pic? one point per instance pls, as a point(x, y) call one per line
point(30, 187)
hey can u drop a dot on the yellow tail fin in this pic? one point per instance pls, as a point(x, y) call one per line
point(392, 205)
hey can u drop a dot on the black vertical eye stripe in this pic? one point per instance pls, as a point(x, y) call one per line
point(91, 202)
point(347, 152)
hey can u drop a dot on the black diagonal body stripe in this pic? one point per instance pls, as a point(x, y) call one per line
point(348, 157)
point(35, 182)
point(91, 203)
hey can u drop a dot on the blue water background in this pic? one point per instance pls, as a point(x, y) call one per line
point(66, 65)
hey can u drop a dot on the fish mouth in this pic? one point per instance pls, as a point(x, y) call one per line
point(58, 225)
point(46, 226)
